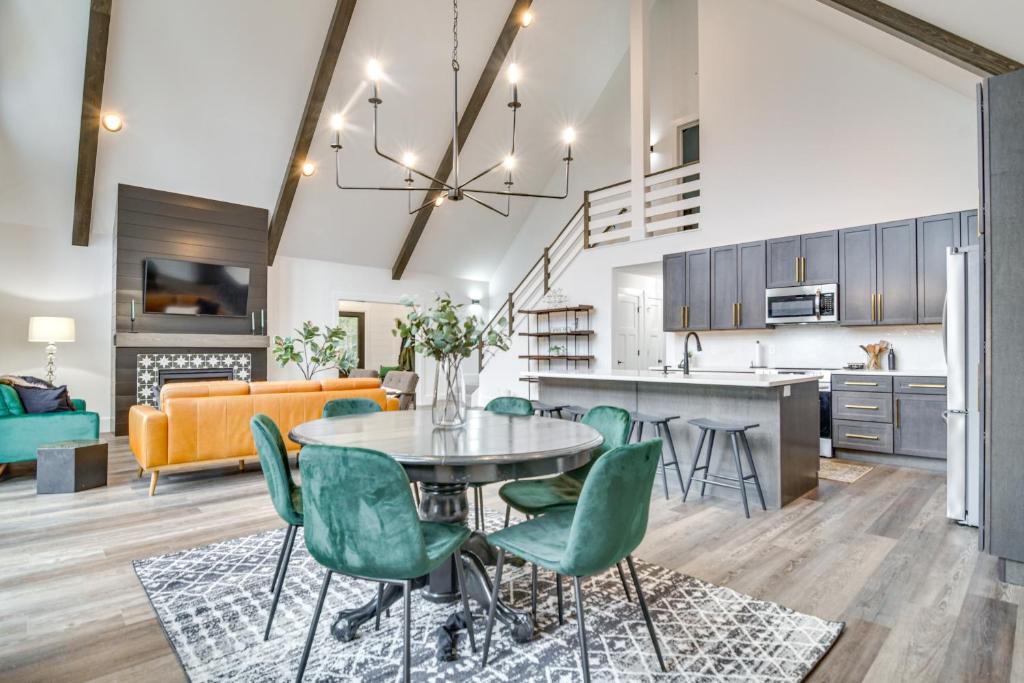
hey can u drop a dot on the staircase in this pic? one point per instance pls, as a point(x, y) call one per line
point(672, 204)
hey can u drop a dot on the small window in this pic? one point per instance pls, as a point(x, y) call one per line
point(689, 142)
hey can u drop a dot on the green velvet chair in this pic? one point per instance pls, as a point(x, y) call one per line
point(534, 497)
point(343, 407)
point(360, 520)
point(284, 493)
point(503, 405)
point(22, 433)
point(605, 527)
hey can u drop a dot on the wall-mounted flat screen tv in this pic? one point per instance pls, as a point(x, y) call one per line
point(192, 288)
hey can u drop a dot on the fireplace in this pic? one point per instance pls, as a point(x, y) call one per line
point(173, 375)
point(153, 370)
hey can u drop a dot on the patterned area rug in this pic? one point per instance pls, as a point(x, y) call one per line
point(213, 601)
point(842, 471)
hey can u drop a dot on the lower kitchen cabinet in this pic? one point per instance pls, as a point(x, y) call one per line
point(862, 436)
point(918, 427)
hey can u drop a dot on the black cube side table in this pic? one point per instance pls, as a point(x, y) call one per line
point(71, 466)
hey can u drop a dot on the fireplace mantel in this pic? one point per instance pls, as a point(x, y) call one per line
point(143, 340)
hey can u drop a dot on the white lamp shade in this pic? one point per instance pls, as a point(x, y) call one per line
point(48, 330)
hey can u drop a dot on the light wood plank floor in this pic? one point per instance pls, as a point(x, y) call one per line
point(919, 601)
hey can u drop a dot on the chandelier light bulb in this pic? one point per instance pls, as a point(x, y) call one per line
point(509, 163)
point(337, 121)
point(374, 71)
point(568, 136)
point(514, 73)
point(526, 19)
point(408, 159)
point(439, 201)
point(112, 122)
point(308, 168)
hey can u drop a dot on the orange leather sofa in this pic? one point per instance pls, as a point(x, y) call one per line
point(201, 424)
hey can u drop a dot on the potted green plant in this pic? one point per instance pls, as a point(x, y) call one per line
point(449, 337)
point(314, 350)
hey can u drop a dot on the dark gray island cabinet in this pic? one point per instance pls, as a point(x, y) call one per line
point(784, 445)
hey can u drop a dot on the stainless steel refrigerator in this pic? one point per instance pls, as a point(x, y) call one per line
point(963, 339)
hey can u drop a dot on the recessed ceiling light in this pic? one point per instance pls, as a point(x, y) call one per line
point(112, 122)
point(308, 168)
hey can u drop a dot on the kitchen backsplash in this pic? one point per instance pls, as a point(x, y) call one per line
point(917, 347)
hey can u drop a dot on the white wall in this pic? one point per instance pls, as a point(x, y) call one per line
point(672, 63)
point(802, 129)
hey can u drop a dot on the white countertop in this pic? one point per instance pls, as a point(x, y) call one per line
point(894, 373)
point(761, 379)
point(823, 371)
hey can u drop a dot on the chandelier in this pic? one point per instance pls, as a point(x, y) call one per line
point(457, 189)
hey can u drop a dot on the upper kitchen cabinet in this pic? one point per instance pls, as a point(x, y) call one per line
point(750, 309)
point(784, 261)
point(725, 290)
point(934, 235)
point(673, 283)
point(857, 268)
point(819, 252)
point(968, 228)
point(811, 259)
point(896, 273)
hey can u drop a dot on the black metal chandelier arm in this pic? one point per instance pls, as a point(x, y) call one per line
point(422, 206)
point(493, 168)
point(506, 193)
point(337, 182)
point(484, 204)
point(396, 162)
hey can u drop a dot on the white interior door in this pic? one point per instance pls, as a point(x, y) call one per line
point(652, 353)
point(627, 331)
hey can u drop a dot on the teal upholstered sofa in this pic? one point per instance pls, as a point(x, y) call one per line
point(21, 433)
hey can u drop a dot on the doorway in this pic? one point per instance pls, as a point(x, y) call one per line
point(639, 337)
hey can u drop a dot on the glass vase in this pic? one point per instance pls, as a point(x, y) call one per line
point(449, 408)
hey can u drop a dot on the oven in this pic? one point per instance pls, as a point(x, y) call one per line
point(805, 304)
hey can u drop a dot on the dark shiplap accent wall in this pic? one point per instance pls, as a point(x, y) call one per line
point(156, 224)
point(125, 365)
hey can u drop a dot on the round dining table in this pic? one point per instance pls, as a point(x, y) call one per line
point(442, 462)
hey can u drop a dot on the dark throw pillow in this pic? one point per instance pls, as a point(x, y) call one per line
point(37, 400)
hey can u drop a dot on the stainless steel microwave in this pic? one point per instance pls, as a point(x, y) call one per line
point(805, 304)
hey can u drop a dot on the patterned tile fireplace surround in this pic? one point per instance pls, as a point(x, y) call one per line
point(153, 370)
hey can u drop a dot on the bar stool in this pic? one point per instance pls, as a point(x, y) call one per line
point(660, 424)
point(737, 434)
point(548, 409)
point(574, 413)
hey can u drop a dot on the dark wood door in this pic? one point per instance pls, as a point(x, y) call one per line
point(673, 283)
point(918, 425)
point(784, 261)
point(724, 287)
point(968, 228)
point(857, 269)
point(934, 235)
point(820, 252)
point(751, 257)
point(698, 289)
point(896, 276)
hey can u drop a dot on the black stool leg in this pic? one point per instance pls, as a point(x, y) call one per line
point(664, 465)
point(707, 463)
point(672, 450)
point(753, 469)
point(639, 431)
point(696, 459)
point(739, 472)
point(632, 430)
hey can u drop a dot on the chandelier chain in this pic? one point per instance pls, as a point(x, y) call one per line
point(455, 35)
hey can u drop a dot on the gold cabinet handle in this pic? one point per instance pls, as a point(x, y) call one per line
point(859, 407)
point(739, 313)
point(896, 416)
point(803, 269)
point(861, 384)
point(796, 264)
point(866, 437)
point(686, 316)
point(872, 307)
point(682, 316)
point(926, 386)
point(881, 314)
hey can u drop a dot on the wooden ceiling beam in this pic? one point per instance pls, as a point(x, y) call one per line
point(310, 118)
point(466, 122)
point(970, 56)
point(89, 127)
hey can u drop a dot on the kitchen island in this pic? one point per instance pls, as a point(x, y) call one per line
point(784, 446)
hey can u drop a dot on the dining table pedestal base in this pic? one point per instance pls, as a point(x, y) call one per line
point(446, 503)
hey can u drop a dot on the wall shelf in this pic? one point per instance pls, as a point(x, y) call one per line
point(569, 333)
point(571, 340)
point(556, 357)
point(141, 340)
point(583, 308)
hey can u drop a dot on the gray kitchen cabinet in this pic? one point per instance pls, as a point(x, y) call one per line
point(934, 235)
point(862, 436)
point(857, 275)
point(864, 406)
point(673, 283)
point(725, 281)
point(698, 290)
point(784, 261)
point(968, 228)
point(752, 278)
point(918, 427)
point(896, 273)
point(820, 254)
